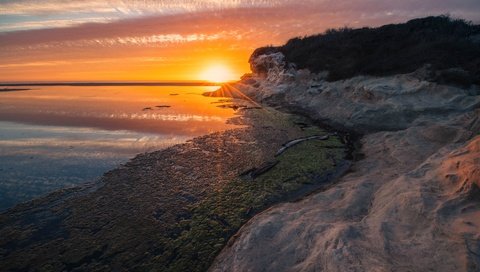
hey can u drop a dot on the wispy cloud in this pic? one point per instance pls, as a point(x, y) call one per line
point(33, 14)
point(30, 7)
point(158, 40)
point(55, 30)
point(80, 61)
point(20, 15)
point(39, 24)
point(130, 7)
point(33, 64)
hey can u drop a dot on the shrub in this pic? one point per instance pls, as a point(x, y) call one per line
point(440, 41)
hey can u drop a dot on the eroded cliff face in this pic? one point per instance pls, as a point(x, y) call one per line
point(413, 202)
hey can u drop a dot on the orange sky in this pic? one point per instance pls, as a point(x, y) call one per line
point(174, 40)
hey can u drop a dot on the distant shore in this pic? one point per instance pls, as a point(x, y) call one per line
point(166, 83)
point(13, 89)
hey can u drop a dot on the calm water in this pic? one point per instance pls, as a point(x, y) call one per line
point(56, 137)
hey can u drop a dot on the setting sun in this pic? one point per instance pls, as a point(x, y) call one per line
point(217, 73)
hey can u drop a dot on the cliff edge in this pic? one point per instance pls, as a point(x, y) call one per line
point(411, 204)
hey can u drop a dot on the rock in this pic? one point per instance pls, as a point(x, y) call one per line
point(412, 203)
point(272, 67)
point(182, 202)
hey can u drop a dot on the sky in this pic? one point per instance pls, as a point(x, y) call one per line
point(177, 40)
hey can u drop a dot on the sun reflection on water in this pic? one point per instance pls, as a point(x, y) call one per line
point(55, 137)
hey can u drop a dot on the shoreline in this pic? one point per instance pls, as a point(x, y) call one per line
point(48, 145)
point(3, 90)
point(145, 191)
point(414, 189)
point(112, 83)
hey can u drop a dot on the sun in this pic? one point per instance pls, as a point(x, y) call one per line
point(217, 73)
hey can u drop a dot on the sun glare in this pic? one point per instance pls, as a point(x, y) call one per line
point(217, 73)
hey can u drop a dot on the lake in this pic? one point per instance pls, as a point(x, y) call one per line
point(54, 137)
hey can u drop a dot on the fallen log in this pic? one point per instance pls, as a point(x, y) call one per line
point(255, 172)
point(297, 141)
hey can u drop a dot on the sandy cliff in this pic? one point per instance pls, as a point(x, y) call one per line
point(412, 203)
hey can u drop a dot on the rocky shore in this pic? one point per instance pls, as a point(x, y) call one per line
point(279, 194)
point(411, 204)
point(175, 209)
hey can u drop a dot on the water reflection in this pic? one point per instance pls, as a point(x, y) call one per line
point(55, 137)
point(117, 108)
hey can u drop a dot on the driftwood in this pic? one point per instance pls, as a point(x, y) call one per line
point(255, 172)
point(297, 141)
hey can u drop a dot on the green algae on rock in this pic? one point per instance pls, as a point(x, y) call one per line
point(223, 212)
point(173, 209)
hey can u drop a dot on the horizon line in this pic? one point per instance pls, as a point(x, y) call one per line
point(113, 83)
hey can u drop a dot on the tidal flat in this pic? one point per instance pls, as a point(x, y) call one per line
point(174, 209)
point(55, 137)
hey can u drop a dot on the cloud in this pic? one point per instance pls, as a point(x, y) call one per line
point(242, 23)
point(131, 7)
point(156, 40)
point(184, 27)
point(127, 6)
point(59, 23)
point(167, 17)
point(18, 15)
point(80, 61)
point(56, 30)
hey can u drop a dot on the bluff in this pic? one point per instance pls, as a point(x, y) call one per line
point(450, 48)
point(412, 203)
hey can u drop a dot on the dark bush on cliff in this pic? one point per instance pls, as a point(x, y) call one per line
point(450, 47)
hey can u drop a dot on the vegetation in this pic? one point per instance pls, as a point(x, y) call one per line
point(450, 47)
point(193, 243)
point(173, 209)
